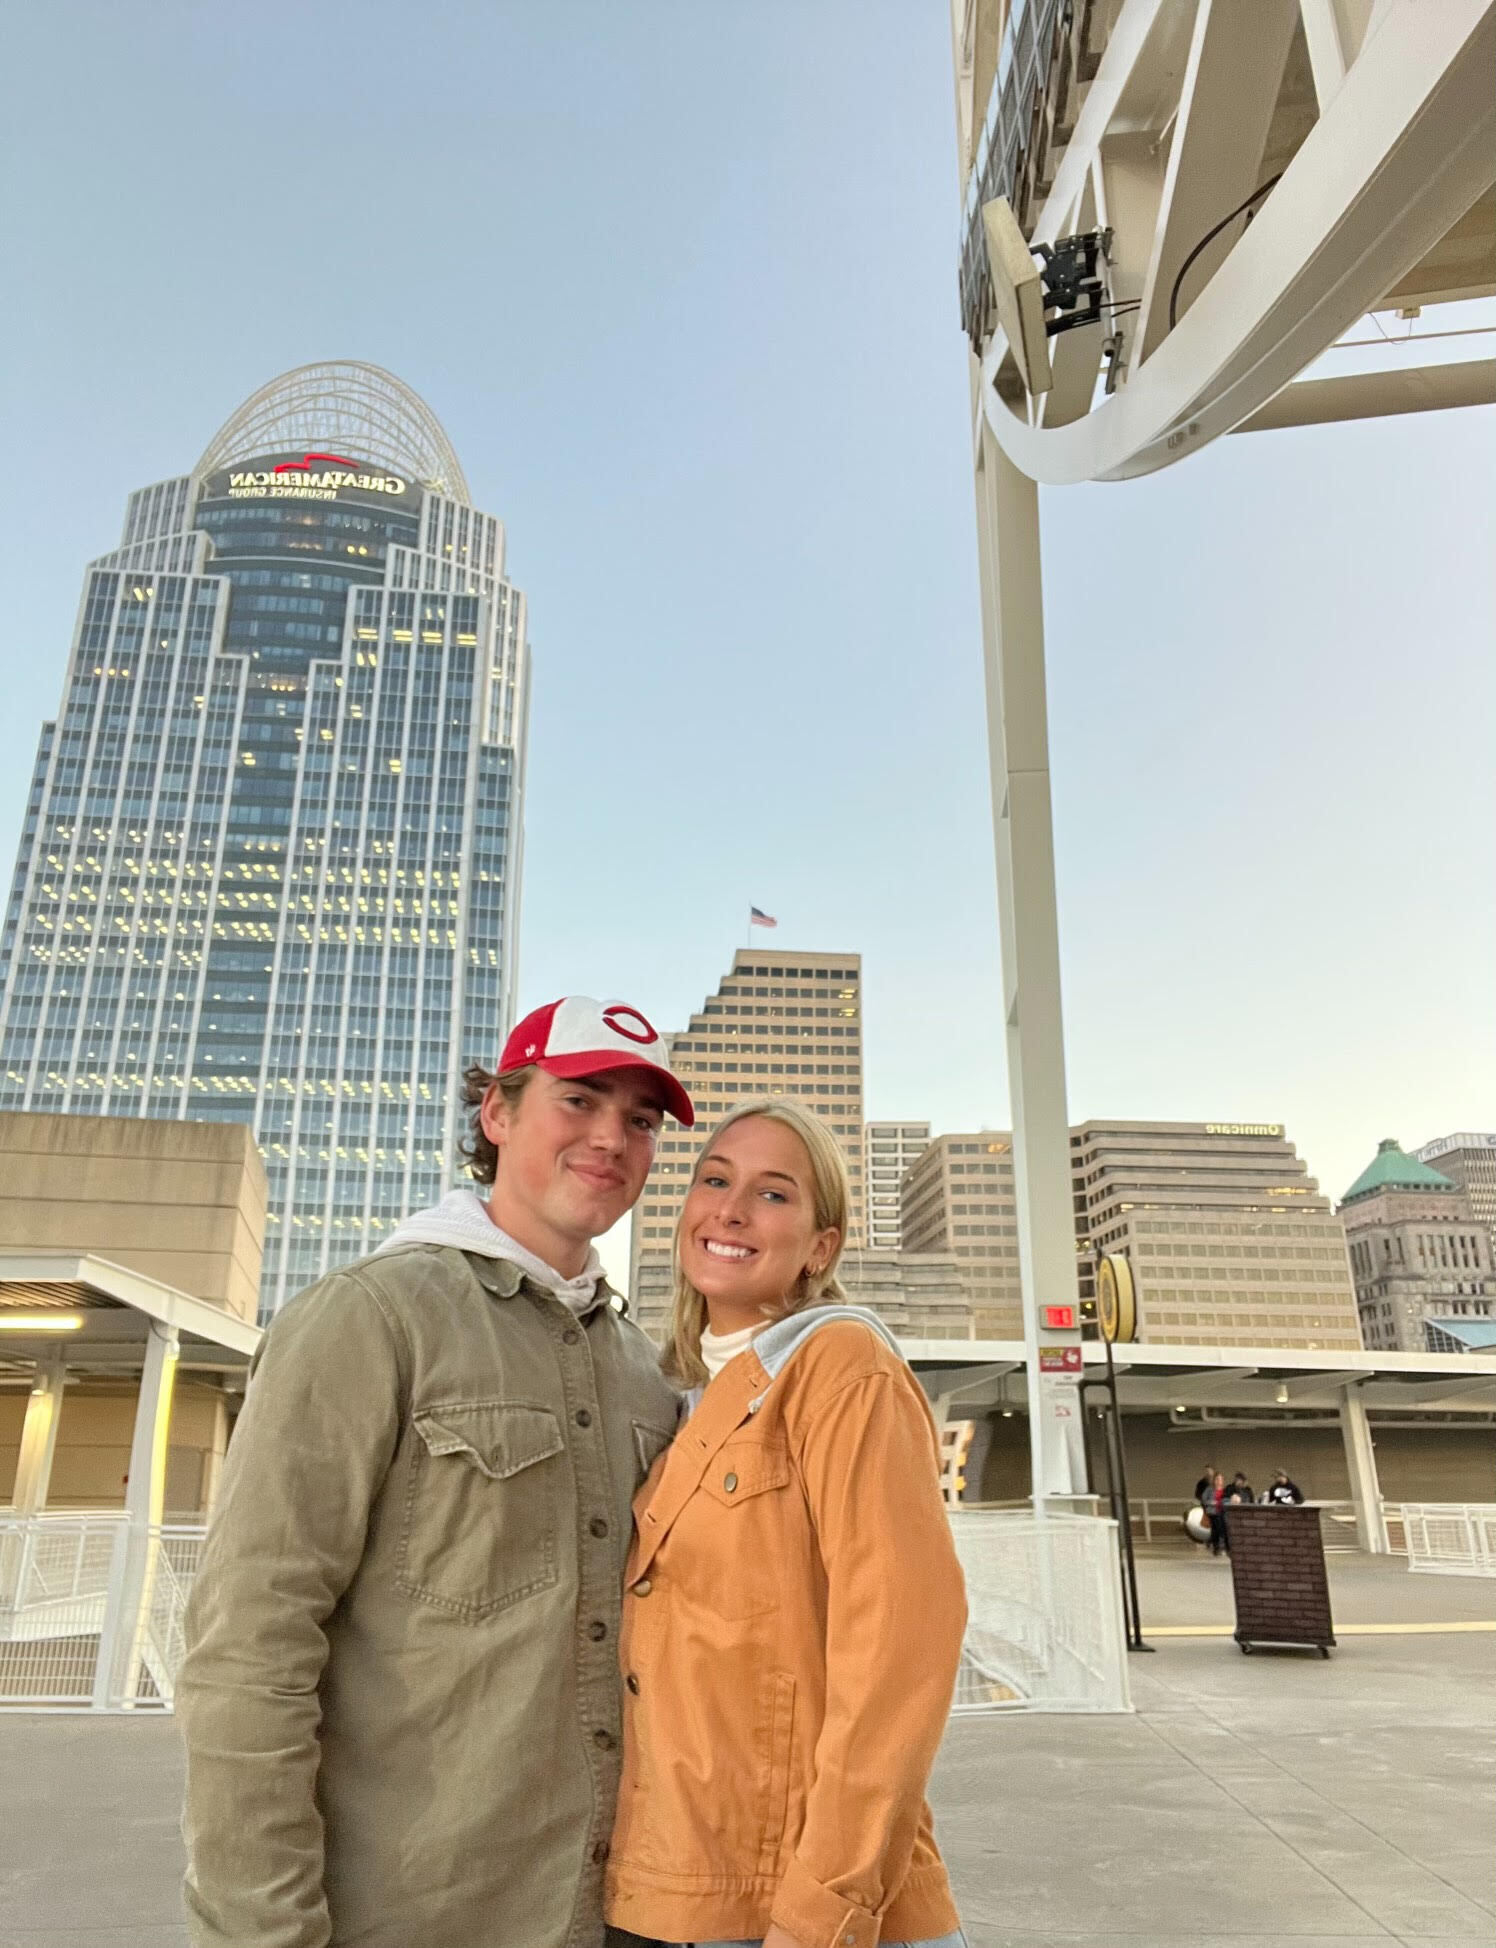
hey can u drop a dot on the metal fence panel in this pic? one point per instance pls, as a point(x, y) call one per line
point(91, 1611)
point(1451, 1538)
point(55, 1573)
point(1044, 1629)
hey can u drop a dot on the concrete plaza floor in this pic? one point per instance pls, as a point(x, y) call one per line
point(1270, 1801)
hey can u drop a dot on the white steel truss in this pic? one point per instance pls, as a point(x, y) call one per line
point(1261, 173)
point(358, 406)
point(1267, 174)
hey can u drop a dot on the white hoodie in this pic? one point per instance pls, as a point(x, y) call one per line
point(462, 1221)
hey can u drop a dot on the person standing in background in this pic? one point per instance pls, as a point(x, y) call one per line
point(1212, 1502)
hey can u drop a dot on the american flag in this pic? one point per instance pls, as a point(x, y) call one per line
point(758, 918)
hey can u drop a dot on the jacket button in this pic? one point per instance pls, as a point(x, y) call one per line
point(584, 1419)
point(570, 1336)
point(597, 1526)
point(600, 1853)
point(730, 1483)
point(605, 1741)
point(632, 1683)
point(643, 1587)
point(597, 1631)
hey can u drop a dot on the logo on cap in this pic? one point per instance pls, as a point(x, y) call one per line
point(611, 1017)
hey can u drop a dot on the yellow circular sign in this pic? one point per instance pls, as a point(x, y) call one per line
point(1116, 1300)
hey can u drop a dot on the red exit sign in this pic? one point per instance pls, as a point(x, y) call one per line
point(1059, 1318)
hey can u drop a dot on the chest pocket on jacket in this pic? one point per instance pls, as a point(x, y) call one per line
point(737, 1534)
point(482, 1504)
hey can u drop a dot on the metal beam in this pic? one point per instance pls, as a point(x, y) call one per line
point(1378, 395)
point(1320, 1382)
point(1477, 1385)
point(1361, 1466)
point(956, 1380)
point(1397, 158)
point(1236, 62)
point(1023, 835)
point(161, 1303)
point(1333, 33)
point(1145, 1389)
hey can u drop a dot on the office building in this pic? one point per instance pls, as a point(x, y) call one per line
point(1420, 1257)
point(180, 1203)
point(1469, 1161)
point(958, 1198)
point(1231, 1241)
point(888, 1153)
point(917, 1294)
point(779, 1024)
point(270, 867)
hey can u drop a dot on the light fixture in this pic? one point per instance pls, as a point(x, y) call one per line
point(40, 1321)
point(1281, 1396)
point(1007, 1413)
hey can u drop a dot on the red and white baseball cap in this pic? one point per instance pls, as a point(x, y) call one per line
point(578, 1036)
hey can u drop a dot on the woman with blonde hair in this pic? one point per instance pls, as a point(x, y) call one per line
point(793, 1607)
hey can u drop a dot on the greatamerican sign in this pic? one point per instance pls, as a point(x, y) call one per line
point(304, 477)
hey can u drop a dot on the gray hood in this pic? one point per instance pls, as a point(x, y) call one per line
point(775, 1344)
point(462, 1221)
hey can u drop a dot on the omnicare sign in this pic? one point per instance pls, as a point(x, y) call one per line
point(308, 476)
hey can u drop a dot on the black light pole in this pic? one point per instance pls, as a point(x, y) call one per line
point(1116, 1471)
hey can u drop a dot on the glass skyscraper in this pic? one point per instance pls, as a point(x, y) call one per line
point(271, 860)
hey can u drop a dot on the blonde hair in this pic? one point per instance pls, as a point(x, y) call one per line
point(832, 1196)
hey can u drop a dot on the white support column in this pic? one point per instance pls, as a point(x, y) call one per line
point(1018, 742)
point(213, 1458)
point(39, 1435)
point(122, 1642)
point(1361, 1465)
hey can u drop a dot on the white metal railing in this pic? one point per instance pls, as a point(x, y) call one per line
point(1044, 1629)
point(1451, 1538)
point(1153, 1516)
point(91, 1610)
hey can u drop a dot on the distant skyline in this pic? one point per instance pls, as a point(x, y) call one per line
point(680, 284)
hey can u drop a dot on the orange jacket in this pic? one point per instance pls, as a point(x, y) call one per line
point(792, 1625)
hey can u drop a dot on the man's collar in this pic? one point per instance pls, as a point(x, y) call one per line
point(503, 1278)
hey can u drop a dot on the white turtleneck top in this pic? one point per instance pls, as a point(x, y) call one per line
point(718, 1348)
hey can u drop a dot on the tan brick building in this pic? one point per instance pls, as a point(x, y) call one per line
point(1230, 1239)
point(888, 1154)
point(917, 1294)
point(1468, 1160)
point(958, 1198)
point(1420, 1256)
point(780, 1024)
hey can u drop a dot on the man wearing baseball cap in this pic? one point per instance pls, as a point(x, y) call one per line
point(400, 1695)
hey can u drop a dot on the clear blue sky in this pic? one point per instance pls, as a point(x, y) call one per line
point(680, 282)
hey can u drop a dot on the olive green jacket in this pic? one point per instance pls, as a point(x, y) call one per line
point(400, 1695)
